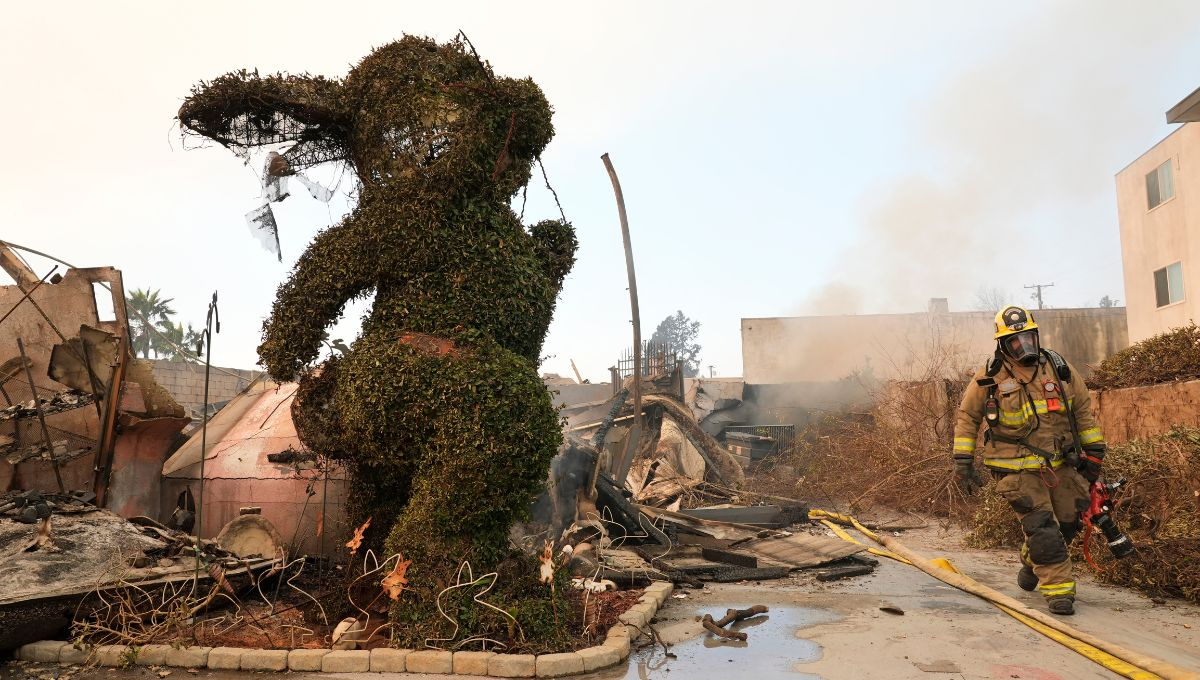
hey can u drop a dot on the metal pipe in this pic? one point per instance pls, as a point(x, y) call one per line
point(213, 316)
point(598, 423)
point(324, 518)
point(37, 406)
point(633, 304)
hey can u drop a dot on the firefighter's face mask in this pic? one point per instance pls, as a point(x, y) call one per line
point(1021, 347)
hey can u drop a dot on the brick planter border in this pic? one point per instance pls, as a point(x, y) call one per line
point(611, 652)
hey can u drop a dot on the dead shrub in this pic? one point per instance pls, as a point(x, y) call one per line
point(1160, 510)
point(1170, 356)
point(897, 454)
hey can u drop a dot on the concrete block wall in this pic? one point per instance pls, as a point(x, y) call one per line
point(185, 382)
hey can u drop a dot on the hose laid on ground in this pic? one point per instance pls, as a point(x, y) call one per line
point(1114, 657)
point(841, 533)
point(1099, 656)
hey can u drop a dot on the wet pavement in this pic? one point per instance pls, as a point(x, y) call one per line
point(775, 648)
point(838, 630)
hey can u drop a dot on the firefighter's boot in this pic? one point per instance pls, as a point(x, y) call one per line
point(1026, 579)
point(1063, 605)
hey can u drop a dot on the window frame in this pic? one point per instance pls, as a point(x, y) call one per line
point(1157, 173)
point(1166, 278)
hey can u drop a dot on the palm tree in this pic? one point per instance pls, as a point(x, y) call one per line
point(147, 310)
point(176, 343)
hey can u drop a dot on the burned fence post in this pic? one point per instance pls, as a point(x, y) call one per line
point(677, 380)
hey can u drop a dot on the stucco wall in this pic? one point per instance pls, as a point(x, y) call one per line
point(1154, 238)
point(911, 346)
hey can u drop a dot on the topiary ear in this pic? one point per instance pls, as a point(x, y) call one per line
point(242, 110)
point(524, 100)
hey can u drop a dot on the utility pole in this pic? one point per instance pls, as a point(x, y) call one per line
point(1038, 295)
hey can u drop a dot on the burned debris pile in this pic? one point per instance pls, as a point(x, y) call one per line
point(28, 507)
point(48, 405)
point(667, 502)
point(87, 568)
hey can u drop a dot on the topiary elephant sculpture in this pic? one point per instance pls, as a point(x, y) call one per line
point(437, 409)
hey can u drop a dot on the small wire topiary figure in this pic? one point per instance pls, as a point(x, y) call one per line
point(437, 409)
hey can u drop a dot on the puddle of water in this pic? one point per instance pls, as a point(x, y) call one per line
point(776, 648)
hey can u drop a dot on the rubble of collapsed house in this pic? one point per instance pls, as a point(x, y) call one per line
point(83, 434)
point(664, 500)
point(100, 494)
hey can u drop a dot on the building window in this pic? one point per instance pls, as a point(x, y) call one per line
point(1168, 284)
point(1160, 185)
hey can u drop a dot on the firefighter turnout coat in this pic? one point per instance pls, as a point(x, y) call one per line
point(1025, 409)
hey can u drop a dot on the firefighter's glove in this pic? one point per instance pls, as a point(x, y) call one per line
point(1091, 461)
point(966, 475)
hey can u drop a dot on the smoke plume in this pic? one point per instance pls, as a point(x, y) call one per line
point(1019, 152)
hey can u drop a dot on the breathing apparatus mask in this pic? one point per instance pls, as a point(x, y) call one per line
point(1022, 347)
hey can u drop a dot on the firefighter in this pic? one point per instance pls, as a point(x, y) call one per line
point(1040, 442)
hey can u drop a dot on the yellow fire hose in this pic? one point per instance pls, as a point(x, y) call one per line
point(1113, 657)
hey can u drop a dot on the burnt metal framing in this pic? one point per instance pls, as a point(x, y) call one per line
point(657, 359)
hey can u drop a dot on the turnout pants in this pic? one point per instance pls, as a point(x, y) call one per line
point(1050, 521)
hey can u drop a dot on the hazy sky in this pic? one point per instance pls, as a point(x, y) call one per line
point(776, 158)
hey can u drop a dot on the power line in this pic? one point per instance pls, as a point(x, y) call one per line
point(1038, 295)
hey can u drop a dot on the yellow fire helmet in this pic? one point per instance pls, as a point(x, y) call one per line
point(1012, 320)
